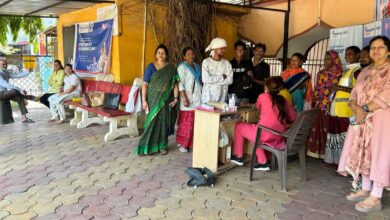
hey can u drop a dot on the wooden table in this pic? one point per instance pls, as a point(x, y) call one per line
point(206, 136)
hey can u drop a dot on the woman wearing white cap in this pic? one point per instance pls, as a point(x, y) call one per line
point(217, 73)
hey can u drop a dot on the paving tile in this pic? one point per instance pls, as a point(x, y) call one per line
point(243, 204)
point(75, 209)
point(196, 203)
point(153, 212)
point(4, 214)
point(230, 194)
point(256, 196)
point(185, 193)
point(289, 216)
point(93, 199)
point(43, 209)
point(128, 211)
point(25, 215)
point(317, 216)
point(180, 213)
point(234, 214)
point(69, 198)
point(205, 214)
point(18, 208)
point(172, 202)
point(98, 211)
point(218, 203)
point(117, 201)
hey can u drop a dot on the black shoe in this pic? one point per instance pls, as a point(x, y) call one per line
point(237, 160)
point(30, 97)
point(262, 167)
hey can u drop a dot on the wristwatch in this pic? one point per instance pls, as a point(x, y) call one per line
point(365, 108)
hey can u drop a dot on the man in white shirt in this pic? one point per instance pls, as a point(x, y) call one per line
point(11, 92)
point(217, 73)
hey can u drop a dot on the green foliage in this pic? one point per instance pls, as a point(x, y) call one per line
point(30, 25)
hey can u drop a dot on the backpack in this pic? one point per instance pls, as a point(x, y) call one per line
point(200, 177)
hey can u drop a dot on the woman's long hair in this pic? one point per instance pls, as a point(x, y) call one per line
point(274, 85)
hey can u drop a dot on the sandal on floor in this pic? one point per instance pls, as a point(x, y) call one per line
point(163, 152)
point(358, 196)
point(369, 205)
point(28, 120)
point(60, 122)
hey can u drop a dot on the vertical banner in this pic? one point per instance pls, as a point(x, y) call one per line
point(92, 53)
point(341, 38)
point(371, 30)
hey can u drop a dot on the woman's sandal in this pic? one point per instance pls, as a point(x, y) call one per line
point(369, 205)
point(358, 196)
point(163, 152)
point(60, 122)
point(28, 120)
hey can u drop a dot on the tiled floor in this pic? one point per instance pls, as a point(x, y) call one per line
point(52, 171)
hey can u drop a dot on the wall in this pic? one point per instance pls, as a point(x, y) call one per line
point(267, 27)
point(127, 49)
point(85, 15)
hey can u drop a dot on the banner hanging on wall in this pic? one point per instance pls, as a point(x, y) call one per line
point(341, 38)
point(382, 9)
point(92, 53)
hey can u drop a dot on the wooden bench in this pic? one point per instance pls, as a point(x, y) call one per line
point(84, 116)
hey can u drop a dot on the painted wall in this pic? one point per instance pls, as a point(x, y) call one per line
point(127, 50)
point(267, 27)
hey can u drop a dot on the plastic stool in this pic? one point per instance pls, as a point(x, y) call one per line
point(6, 112)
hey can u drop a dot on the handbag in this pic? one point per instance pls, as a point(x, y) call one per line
point(223, 138)
point(96, 98)
point(85, 100)
point(111, 100)
point(200, 177)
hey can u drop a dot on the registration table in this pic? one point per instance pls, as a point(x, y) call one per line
point(206, 136)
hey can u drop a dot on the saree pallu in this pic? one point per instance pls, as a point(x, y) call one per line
point(185, 130)
point(296, 86)
point(337, 130)
point(318, 135)
point(160, 122)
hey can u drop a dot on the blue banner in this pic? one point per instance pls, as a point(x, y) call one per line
point(92, 52)
point(386, 27)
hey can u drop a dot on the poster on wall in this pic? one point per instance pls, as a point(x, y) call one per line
point(382, 9)
point(92, 53)
point(109, 12)
point(371, 30)
point(386, 27)
point(341, 38)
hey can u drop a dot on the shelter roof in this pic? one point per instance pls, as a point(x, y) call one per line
point(44, 8)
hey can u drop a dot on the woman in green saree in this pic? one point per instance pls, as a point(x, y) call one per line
point(160, 95)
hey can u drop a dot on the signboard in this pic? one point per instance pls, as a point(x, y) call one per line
point(92, 53)
point(382, 9)
point(371, 30)
point(341, 38)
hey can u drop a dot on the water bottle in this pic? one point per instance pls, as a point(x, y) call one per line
point(232, 101)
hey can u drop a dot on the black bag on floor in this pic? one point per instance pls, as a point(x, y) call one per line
point(200, 177)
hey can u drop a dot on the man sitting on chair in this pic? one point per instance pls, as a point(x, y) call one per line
point(11, 92)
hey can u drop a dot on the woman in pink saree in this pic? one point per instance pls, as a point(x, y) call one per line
point(367, 150)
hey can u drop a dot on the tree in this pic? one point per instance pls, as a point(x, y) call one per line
point(12, 24)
